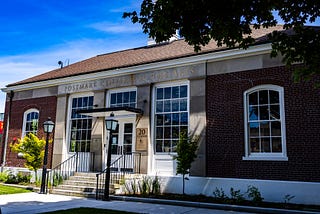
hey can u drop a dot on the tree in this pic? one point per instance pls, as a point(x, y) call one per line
point(32, 149)
point(186, 153)
point(231, 23)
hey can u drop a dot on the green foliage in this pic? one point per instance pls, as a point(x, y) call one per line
point(57, 179)
point(236, 196)
point(254, 194)
point(287, 198)
point(145, 186)
point(231, 23)
point(186, 153)
point(220, 195)
point(19, 178)
point(3, 176)
point(32, 149)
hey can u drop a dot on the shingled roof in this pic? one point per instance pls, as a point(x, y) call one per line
point(136, 56)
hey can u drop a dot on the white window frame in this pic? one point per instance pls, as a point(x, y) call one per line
point(166, 155)
point(265, 156)
point(25, 120)
point(120, 90)
point(68, 137)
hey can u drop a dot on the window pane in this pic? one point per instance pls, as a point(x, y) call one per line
point(276, 128)
point(167, 106)
point(159, 133)
point(253, 113)
point(159, 119)
point(264, 129)
point(167, 119)
point(167, 93)
point(183, 91)
point(74, 102)
point(175, 105)
point(159, 147)
point(274, 112)
point(85, 101)
point(175, 119)
point(183, 105)
point(184, 118)
point(175, 132)
point(174, 145)
point(254, 145)
point(175, 92)
point(127, 139)
point(126, 97)
point(253, 98)
point(254, 129)
point(264, 113)
point(276, 144)
point(119, 98)
point(274, 97)
point(133, 95)
point(167, 132)
point(159, 107)
point(263, 97)
point(113, 99)
point(265, 144)
point(167, 145)
point(128, 128)
point(159, 93)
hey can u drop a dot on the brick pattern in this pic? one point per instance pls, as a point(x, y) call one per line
point(225, 127)
point(46, 107)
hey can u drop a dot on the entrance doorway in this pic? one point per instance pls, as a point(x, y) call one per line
point(123, 145)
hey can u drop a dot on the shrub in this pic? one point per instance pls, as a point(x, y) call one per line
point(219, 195)
point(236, 196)
point(3, 176)
point(254, 194)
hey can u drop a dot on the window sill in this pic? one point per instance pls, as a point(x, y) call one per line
point(261, 158)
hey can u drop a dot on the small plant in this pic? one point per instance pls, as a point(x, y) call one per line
point(220, 195)
point(12, 179)
point(155, 186)
point(254, 194)
point(3, 176)
point(144, 186)
point(236, 195)
point(57, 179)
point(23, 178)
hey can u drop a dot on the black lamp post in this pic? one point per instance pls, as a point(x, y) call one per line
point(111, 126)
point(47, 128)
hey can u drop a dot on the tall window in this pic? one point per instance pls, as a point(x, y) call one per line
point(80, 129)
point(171, 116)
point(30, 122)
point(123, 99)
point(265, 128)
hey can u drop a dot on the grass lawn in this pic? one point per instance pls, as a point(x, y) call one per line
point(83, 210)
point(4, 190)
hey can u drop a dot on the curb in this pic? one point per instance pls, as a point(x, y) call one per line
point(211, 205)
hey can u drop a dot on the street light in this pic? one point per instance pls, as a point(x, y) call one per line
point(47, 128)
point(111, 125)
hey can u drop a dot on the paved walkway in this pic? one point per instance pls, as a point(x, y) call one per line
point(39, 203)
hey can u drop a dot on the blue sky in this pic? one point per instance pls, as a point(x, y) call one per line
point(36, 34)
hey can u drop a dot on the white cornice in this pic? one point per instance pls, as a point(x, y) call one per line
point(201, 58)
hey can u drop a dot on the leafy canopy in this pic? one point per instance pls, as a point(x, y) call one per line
point(231, 22)
point(32, 149)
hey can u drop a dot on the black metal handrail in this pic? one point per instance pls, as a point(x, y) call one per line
point(125, 164)
point(79, 162)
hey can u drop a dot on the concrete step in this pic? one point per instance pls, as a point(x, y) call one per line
point(86, 174)
point(80, 183)
point(74, 193)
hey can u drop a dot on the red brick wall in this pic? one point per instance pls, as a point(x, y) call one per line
point(46, 107)
point(225, 127)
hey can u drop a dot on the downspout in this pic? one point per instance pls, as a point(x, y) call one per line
point(11, 94)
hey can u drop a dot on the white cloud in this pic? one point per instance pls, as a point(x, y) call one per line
point(116, 28)
point(19, 67)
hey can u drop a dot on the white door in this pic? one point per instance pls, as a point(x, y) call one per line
point(122, 147)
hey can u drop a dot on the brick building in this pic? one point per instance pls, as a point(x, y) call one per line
point(256, 126)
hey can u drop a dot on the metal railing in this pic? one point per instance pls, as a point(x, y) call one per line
point(125, 164)
point(79, 162)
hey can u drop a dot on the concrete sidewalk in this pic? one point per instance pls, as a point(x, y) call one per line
point(39, 203)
